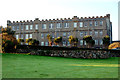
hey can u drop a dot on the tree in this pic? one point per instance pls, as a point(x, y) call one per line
point(73, 40)
point(9, 42)
point(20, 40)
point(106, 41)
point(58, 40)
point(31, 41)
point(90, 42)
point(49, 39)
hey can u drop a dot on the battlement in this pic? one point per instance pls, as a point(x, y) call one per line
point(57, 19)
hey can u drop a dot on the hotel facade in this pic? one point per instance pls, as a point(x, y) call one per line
point(97, 27)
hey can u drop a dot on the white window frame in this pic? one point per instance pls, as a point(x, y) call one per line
point(96, 23)
point(96, 33)
point(27, 27)
point(36, 26)
point(81, 24)
point(101, 23)
point(42, 43)
point(81, 42)
point(75, 24)
point(51, 26)
point(17, 27)
point(42, 36)
point(13, 28)
point(17, 36)
point(26, 36)
point(21, 36)
point(31, 27)
point(44, 26)
point(30, 36)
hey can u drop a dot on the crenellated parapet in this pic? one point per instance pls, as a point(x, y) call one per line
point(58, 19)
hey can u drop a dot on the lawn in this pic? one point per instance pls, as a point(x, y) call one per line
point(32, 66)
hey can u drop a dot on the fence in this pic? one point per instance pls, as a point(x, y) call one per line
point(68, 52)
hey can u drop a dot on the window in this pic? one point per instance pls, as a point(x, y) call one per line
point(81, 42)
point(36, 26)
point(90, 23)
point(101, 33)
point(101, 42)
point(46, 43)
point(13, 28)
point(101, 23)
point(51, 26)
point(91, 33)
point(81, 24)
point(53, 35)
point(64, 43)
point(30, 35)
point(75, 24)
point(85, 43)
point(81, 34)
point(26, 36)
point(66, 25)
point(42, 36)
point(64, 34)
point(42, 43)
point(31, 27)
point(57, 35)
point(21, 36)
point(68, 44)
point(58, 25)
point(46, 34)
point(27, 27)
point(85, 33)
point(17, 27)
point(96, 33)
point(17, 36)
point(85, 24)
point(43, 26)
point(96, 42)
point(69, 34)
point(96, 23)
point(21, 27)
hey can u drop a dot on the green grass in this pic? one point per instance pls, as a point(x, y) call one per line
point(31, 66)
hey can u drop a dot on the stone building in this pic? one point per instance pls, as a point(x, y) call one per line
point(97, 27)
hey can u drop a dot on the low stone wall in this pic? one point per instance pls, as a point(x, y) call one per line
point(69, 52)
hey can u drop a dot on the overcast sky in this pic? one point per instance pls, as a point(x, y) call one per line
point(16, 10)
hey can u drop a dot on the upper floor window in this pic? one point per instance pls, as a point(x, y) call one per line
point(90, 23)
point(85, 24)
point(51, 26)
point(44, 26)
point(21, 27)
point(30, 36)
point(66, 25)
point(31, 27)
point(101, 23)
point(85, 43)
point(96, 23)
point(81, 24)
point(58, 25)
point(36, 26)
point(13, 28)
point(27, 27)
point(17, 27)
point(17, 36)
point(68, 43)
point(75, 24)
